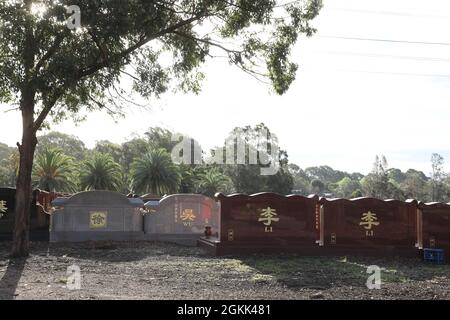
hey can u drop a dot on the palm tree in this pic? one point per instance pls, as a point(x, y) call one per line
point(212, 181)
point(53, 171)
point(155, 173)
point(101, 172)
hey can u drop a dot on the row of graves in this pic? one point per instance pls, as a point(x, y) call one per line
point(238, 223)
point(104, 215)
point(268, 222)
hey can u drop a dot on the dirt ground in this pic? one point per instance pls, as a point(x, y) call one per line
point(149, 270)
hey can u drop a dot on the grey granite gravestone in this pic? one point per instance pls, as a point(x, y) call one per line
point(181, 218)
point(95, 216)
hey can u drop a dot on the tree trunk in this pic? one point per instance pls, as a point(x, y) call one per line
point(23, 186)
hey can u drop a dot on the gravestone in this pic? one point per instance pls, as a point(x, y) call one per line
point(39, 219)
point(265, 222)
point(180, 218)
point(435, 226)
point(95, 216)
point(369, 226)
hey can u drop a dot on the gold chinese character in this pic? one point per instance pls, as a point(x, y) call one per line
point(98, 219)
point(368, 220)
point(187, 215)
point(3, 207)
point(268, 216)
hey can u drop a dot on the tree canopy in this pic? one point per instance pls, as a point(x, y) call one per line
point(66, 70)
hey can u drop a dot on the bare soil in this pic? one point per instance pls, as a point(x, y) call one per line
point(150, 270)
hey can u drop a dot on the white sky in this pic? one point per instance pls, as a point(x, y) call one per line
point(352, 99)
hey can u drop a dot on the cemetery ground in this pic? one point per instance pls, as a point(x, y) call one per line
point(151, 270)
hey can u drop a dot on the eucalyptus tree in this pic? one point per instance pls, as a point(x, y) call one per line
point(53, 72)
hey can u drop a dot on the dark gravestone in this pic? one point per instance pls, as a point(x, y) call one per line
point(8, 196)
point(97, 215)
point(181, 218)
point(39, 220)
point(265, 222)
point(435, 226)
point(369, 226)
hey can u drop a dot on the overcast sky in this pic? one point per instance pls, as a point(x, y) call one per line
point(352, 99)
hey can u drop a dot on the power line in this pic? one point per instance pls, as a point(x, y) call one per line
point(382, 12)
point(397, 73)
point(377, 55)
point(388, 40)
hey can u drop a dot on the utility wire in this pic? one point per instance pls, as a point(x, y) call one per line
point(387, 40)
point(397, 73)
point(382, 12)
point(377, 55)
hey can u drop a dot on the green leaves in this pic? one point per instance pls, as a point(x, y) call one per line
point(164, 42)
point(155, 173)
point(213, 181)
point(100, 172)
point(54, 171)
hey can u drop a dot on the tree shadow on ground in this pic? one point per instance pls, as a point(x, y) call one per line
point(325, 272)
point(120, 251)
point(294, 271)
point(11, 278)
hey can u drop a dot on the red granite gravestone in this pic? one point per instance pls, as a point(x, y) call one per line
point(435, 226)
point(265, 222)
point(369, 226)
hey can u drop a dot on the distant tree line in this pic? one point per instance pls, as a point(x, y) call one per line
point(382, 182)
point(143, 165)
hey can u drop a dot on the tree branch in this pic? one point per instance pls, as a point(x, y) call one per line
point(48, 107)
point(98, 66)
point(51, 51)
point(95, 67)
point(214, 44)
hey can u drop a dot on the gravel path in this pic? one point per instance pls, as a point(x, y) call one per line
point(148, 270)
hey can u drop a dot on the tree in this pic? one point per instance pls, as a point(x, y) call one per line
point(155, 173)
point(9, 168)
point(108, 147)
point(325, 174)
point(282, 182)
point(301, 183)
point(415, 185)
point(356, 194)
point(52, 71)
point(131, 150)
point(53, 171)
point(396, 175)
point(437, 177)
point(213, 181)
point(347, 187)
point(160, 138)
point(259, 149)
point(71, 145)
point(100, 172)
point(188, 178)
point(376, 183)
point(317, 186)
point(5, 151)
